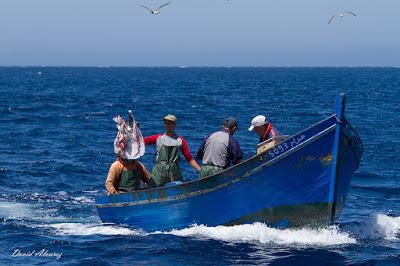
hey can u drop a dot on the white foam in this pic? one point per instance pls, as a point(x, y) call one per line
point(83, 200)
point(388, 226)
point(378, 226)
point(98, 113)
point(96, 191)
point(83, 229)
point(259, 232)
point(38, 213)
point(24, 211)
point(61, 193)
point(13, 210)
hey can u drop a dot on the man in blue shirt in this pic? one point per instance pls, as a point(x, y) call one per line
point(220, 149)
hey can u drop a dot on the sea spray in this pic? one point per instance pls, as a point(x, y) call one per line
point(259, 232)
point(388, 226)
point(377, 226)
point(82, 229)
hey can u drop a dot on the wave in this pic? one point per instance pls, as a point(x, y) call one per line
point(363, 175)
point(259, 232)
point(35, 210)
point(256, 232)
point(83, 200)
point(28, 215)
point(387, 190)
point(13, 210)
point(95, 191)
point(375, 227)
point(378, 226)
point(56, 197)
point(31, 215)
point(83, 229)
point(4, 170)
point(389, 226)
point(86, 115)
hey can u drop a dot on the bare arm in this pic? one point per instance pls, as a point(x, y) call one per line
point(195, 165)
point(188, 156)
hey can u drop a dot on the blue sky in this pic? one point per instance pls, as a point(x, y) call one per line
point(199, 33)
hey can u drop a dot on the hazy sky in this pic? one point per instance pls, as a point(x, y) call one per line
point(199, 33)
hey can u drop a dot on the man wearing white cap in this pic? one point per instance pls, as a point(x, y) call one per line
point(263, 128)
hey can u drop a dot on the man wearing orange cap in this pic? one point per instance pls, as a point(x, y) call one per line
point(169, 148)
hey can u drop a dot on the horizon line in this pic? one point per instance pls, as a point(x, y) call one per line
point(195, 66)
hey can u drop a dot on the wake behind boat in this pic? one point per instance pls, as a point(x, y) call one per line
point(300, 180)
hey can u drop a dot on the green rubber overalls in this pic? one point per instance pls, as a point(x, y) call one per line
point(129, 181)
point(167, 167)
point(207, 170)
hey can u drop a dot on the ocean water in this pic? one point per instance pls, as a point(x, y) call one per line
point(56, 134)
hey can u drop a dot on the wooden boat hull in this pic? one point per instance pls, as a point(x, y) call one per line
point(301, 181)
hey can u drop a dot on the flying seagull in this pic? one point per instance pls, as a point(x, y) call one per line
point(341, 15)
point(156, 10)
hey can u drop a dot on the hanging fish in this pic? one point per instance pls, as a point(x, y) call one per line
point(128, 143)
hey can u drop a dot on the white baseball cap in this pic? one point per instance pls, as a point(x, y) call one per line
point(257, 121)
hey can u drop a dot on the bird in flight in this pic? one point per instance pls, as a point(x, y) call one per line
point(341, 15)
point(156, 11)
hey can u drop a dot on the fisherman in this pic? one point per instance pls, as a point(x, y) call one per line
point(126, 172)
point(263, 128)
point(220, 149)
point(169, 148)
point(125, 175)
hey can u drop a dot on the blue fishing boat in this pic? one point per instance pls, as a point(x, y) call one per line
point(299, 180)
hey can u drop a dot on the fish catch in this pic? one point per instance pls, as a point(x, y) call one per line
point(128, 143)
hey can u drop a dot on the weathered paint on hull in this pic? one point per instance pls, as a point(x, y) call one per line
point(313, 214)
point(348, 164)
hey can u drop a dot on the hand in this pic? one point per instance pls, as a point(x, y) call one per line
point(112, 191)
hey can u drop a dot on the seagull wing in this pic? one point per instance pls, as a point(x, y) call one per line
point(164, 5)
point(350, 13)
point(147, 8)
point(331, 19)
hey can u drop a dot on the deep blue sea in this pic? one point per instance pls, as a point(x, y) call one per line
point(56, 135)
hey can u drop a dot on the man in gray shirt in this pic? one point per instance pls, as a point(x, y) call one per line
point(220, 149)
